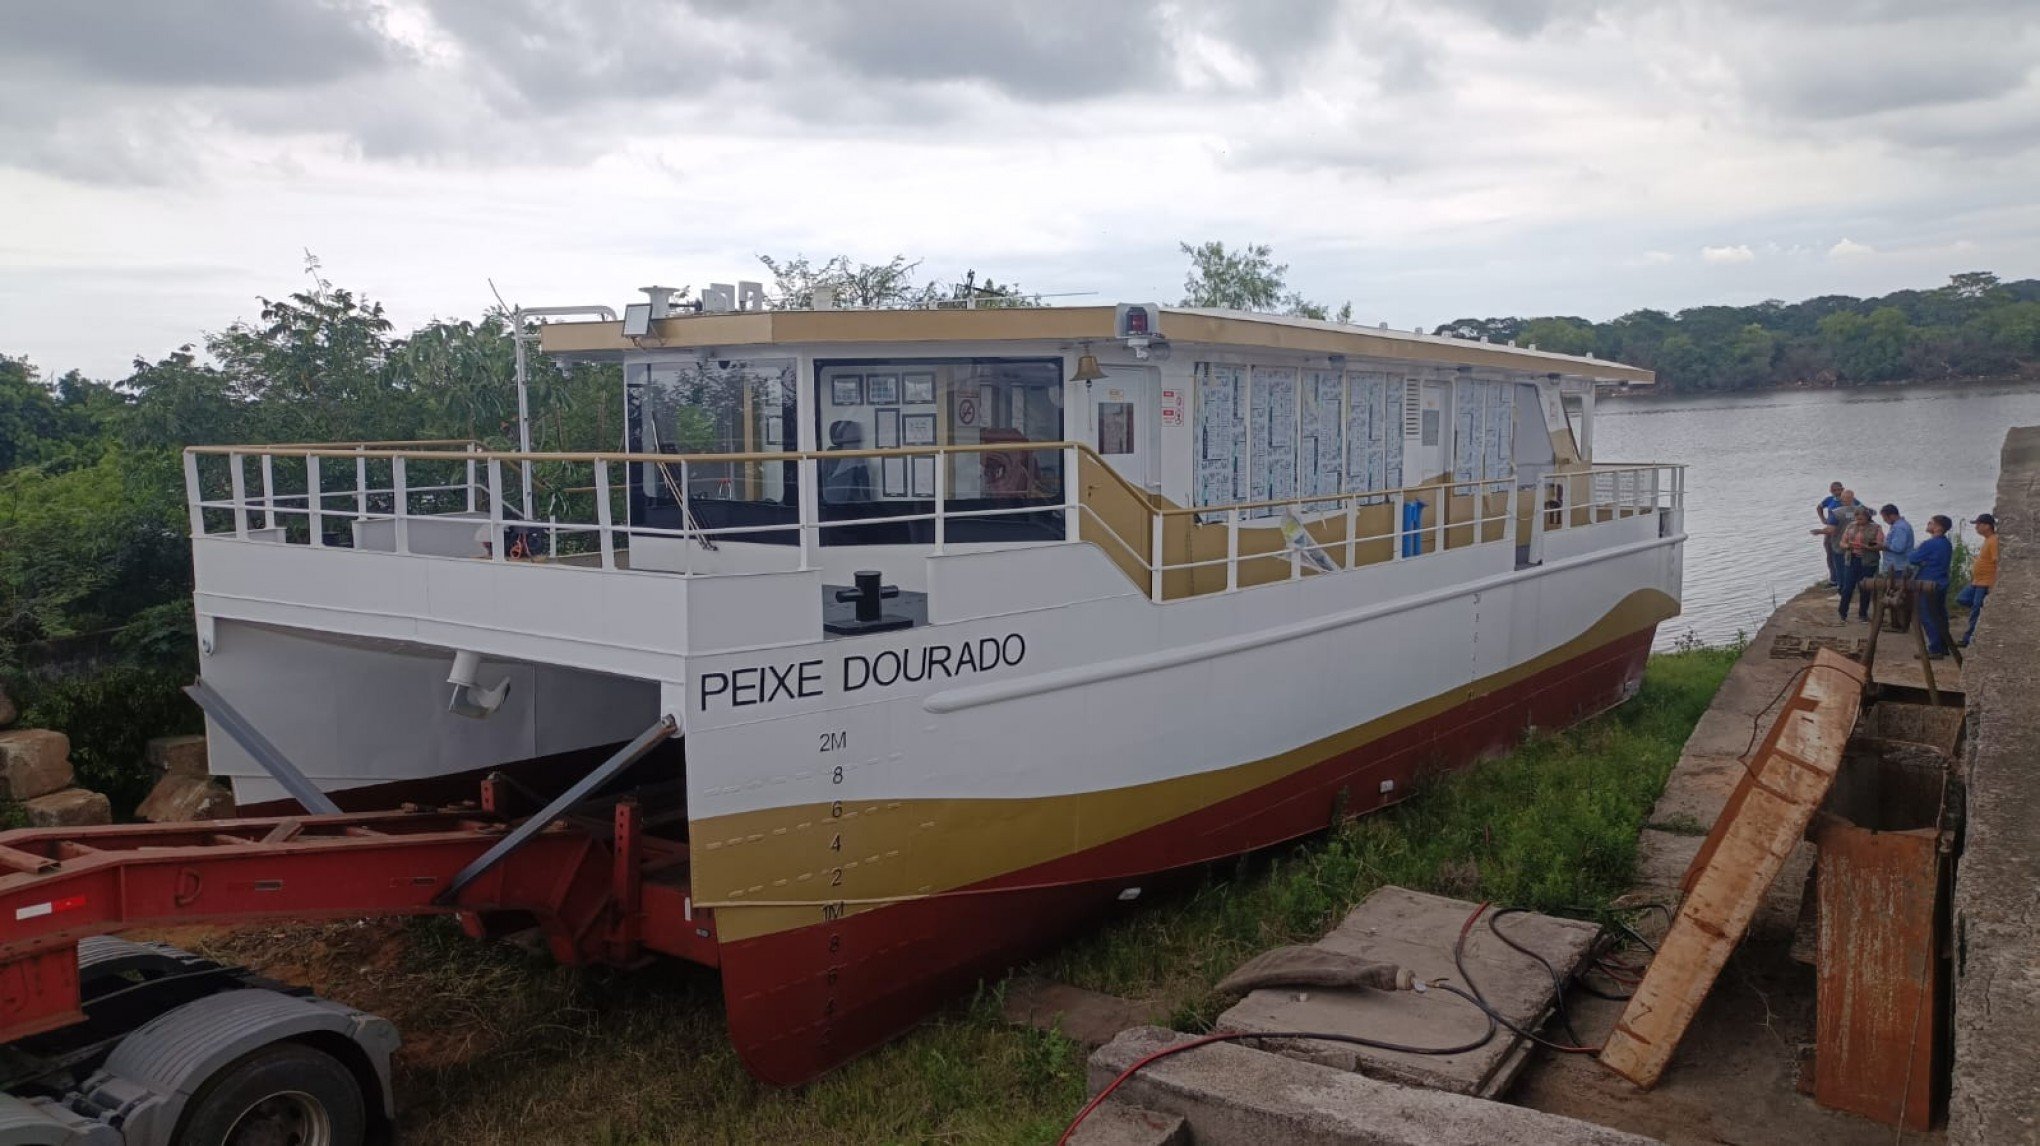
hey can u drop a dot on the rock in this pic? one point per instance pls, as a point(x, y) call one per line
point(178, 756)
point(33, 762)
point(7, 710)
point(178, 799)
point(67, 809)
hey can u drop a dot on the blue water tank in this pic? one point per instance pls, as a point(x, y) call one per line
point(1412, 527)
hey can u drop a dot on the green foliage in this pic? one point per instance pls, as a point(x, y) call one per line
point(1975, 326)
point(110, 708)
point(882, 286)
point(90, 548)
point(1247, 278)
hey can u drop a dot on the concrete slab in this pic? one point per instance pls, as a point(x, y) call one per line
point(1417, 931)
point(1233, 1095)
point(1088, 1017)
point(1117, 1123)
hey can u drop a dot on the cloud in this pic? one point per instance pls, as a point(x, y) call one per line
point(1739, 253)
point(1850, 249)
point(1656, 258)
point(208, 43)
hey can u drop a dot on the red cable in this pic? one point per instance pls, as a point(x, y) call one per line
point(1129, 1072)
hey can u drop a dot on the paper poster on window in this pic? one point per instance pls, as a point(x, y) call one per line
point(1499, 425)
point(1221, 433)
point(1465, 444)
point(1273, 420)
point(1322, 433)
point(1392, 435)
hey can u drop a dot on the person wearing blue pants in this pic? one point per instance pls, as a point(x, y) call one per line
point(1860, 543)
point(1933, 561)
point(1982, 574)
point(1820, 511)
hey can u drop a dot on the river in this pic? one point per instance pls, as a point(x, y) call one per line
point(1758, 463)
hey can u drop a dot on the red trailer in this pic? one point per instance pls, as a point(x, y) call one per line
point(112, 1043)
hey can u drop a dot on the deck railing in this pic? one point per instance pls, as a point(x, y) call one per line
point(443, 498)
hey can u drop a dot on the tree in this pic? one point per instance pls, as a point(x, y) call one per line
point(1247, 278)
point(315, 364)
point(868, 285)
point(1868, 348)
point(1560, 335)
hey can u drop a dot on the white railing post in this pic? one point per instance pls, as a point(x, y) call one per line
point(1296, 553)
point(238, 483)
point(360, 485)
point(1444, 511)
point(941, 521)
point(400, 489)
point(471, 479)
point(810, 511)
point(315, 503)
point(193, 496)
point(1156, 524)
point(602, 513)
point(1352, 531)
point(1232, 550)
point(1072, 495)
point(268, 491)
point(495, 510)
point(1395, 525)
point(1509, 499)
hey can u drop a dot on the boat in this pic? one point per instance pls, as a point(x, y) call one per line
point(975, 623)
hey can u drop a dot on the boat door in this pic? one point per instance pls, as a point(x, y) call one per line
point(1424, 430)
point(1123, 421)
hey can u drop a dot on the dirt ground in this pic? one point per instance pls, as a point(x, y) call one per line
point(1735, 1076)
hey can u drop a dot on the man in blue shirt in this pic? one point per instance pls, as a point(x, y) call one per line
point(1822, 511)
point(1932, 561)
point(1898, 543)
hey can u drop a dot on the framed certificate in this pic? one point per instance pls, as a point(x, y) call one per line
point(920, 389)
point(846, 390)
point(918, 430)
point(886, 435)
point(924, 476)
point(774, 429)
point(894, 481)
point(882, 389)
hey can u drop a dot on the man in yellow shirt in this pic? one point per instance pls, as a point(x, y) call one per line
point(1982, 573)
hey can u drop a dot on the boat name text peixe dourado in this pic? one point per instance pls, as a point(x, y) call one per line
point(801, 680)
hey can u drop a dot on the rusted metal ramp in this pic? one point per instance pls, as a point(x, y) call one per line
point(1783, 785)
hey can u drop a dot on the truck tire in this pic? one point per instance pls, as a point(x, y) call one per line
point(285, 1094)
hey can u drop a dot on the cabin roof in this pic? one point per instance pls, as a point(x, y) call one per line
point(1222, 328)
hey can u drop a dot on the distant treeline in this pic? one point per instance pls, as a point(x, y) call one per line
point(1975, 326)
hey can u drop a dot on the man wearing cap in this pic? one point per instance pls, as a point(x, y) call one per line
point(1932, 561)
point(1982, 573)
point(1821, 510)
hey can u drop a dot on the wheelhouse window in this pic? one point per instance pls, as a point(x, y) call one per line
point(714, 407)
point(905, 404)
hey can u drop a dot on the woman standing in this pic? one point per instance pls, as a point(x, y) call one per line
point(1859, 544)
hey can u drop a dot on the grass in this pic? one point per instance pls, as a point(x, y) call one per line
point(501, 1046)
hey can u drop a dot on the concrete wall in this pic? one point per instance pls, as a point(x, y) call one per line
point(1996, 1099)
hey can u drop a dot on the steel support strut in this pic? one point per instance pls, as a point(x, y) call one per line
point(587, 786)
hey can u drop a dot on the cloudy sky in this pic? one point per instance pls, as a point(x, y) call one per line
point(164, 162)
